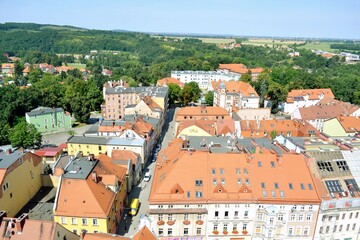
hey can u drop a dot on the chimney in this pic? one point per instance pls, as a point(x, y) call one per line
point(8, 151)
point(113, 123)
point(20, 222)
point(94, 176)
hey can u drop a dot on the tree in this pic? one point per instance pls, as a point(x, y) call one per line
point(273, 134)
point(246, 77)
point(209, 98)
point(190, 93)
point(25, 135)
point(174, 93)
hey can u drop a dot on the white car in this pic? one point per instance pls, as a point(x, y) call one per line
point(147, 177)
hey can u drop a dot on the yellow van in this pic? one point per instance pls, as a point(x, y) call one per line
point(134, 206)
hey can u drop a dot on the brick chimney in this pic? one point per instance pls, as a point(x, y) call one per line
point(20, 222)
point(8, 151)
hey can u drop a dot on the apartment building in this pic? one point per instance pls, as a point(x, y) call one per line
point(91, 196)
point(299, 98)
point(235, 95)
point(203, 78)
point(20, 179)
point(119, 97)
point(232, 195)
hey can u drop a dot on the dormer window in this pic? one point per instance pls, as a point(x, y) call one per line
point(198, 183)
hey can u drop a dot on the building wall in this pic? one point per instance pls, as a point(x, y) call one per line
point(22, 182)
point(333, 128)
point(75, 224)
point(137, 149)
point(52, 122)
point(193, 131)
point(291, 107)
point(86, 149)
point(115, 104)
point(143, 109)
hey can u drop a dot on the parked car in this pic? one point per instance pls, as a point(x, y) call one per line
point(147, 176)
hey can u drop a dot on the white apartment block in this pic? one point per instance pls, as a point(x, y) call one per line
point(203, 78)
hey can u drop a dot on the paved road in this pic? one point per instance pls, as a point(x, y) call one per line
point(129, 226)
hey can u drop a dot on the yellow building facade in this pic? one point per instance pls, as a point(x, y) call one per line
point(193, 131)
point(20, 180)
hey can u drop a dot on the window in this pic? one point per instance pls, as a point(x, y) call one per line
point(325, 166)
point(262, 185)
point(170, 231)
point(234, 227)
point(335, 227)
point(273, 193)
point(99, 148)
point(237, 171)
point(292, 217)
point(73, 221)
point(198, 183)
point(213, 171)
point(63, 220)
point(302, 186)
point(300, 217)
point(170, 206)
point(310, 186)
point(342, 165)
point(221, 171)
point(246, 171)
point(199, 216)
point(354, 226)
point(160, 217)
point(236, 214)
point(84, 221)
point(290, 231)
point(276, 185)
point(215, 227)
point(280, 217)
point(347, 227)
point(95, 222)
point(343, 216)
point(340, 228)
point(239, 181)
point(170, 217)
point(225, 227)
point(216, 213)
point(259, 164)
point(271, 220)
point(272, 163)
point(186, 231)
point(264, 193)
point(226, 215)
point(350, 216)
point(282, 194)
point(246, 214)
point(291, 186)
point(244, 227)
point(198, 231)
point(308, 217)
point(223, 181)
point(247, 181)
point(357, 215)
point(258, 229)
point(198, 194)
point(260, 217)
point(186, 216)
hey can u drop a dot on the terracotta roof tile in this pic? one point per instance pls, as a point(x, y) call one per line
point(349, 123)
point(166, 81)
point(174, 163)
point(237, 87)
point(234, 67)
point(314, 94)
point(48, 152)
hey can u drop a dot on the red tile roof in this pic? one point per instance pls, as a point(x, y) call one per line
point(48, 152)
point(166, 81)
point(235, 67)
point(314, 94)
point(263, 167)
point(237, 87)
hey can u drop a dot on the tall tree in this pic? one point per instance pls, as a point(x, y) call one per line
point(190, 93)
point(209, 98)
point(174, 93)
point(25, 135)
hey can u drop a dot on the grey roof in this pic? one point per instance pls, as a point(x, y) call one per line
point(7, 159)
point(217, 144)
point(327, 155)
point(44, 110)
point(141, 91)
point(88, 140)
point(94, 129)
point(131, 106)
point(126, 142)
point(247, 144)
point(266, 143)
point(80, 168)
point(150, 120)
point(121, 162)
point(110, 123)
point(235, 116)
point(299, 141)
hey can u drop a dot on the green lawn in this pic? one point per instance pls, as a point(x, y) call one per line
point(77, 65)
point(269, 42)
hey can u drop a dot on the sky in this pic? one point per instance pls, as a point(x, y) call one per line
point(281, 18)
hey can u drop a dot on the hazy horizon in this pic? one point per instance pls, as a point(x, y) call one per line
point(259, 18)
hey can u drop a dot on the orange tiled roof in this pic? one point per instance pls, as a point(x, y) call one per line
point(327, 108)
point(144, 234)
point(151, 103)
point(314, 94)
point(77, 196)
point(206, 125)
point(350, 124)
point(234, 67)
point(7, 65)
point(37, 229)
point(201, 112)
point(63, 68)
point(26, 70)
point(256, 70)
point(198, 165)
point(103, 236)
point(237, 87)
point(327, 55)
point(258, 128)
point(166, 81)
point(123, 155)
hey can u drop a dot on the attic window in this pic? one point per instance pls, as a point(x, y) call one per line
point(214, 181)
point(276, 185)
point(198, 183)
point(239, 181)
point(259, 164)
point(238, 171)
point(273, 193)
point(310, 186)
point(272, 164)
point(291, 186)
point(302, 186)
point(264, 193)
point(220, 190)
point(262, 185)
point(282, 194)
point(198, 194)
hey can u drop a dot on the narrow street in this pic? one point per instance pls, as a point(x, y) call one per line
point(129, 224)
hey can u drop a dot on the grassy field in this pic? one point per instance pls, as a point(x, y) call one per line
point(77, 65)
point(325, 46)
point(269, 42)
